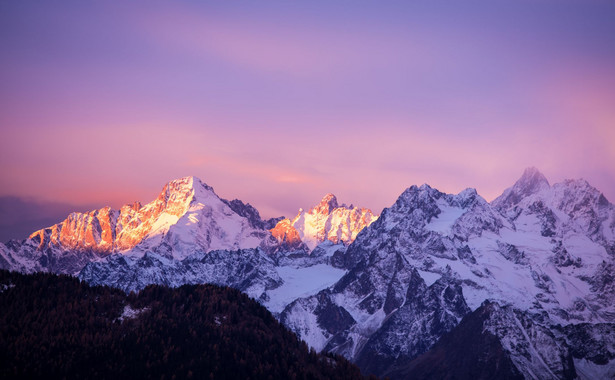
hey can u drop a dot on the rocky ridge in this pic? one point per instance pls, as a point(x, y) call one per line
point(328, 220)
point(186, 216)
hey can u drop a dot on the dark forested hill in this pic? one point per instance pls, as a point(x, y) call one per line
point(58, 327)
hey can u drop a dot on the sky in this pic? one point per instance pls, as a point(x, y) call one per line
point(279, 103)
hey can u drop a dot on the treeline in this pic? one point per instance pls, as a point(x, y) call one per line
point(59, 327)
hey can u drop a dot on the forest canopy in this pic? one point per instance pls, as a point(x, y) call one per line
point(59, 327)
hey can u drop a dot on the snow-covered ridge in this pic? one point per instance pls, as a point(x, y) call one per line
point(532, 181)
point(186, 216)
point(106, 230)
point(544, 250)
point(327, 221)
point(252, 271)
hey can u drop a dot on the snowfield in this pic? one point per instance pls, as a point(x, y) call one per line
point(301, 282)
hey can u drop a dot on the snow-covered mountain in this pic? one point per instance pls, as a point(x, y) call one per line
point(326, 221)
point(190, 235)
point(187, 216)
point(544, 251)
point(501, 342)
point(273, 283)
point(528, 278)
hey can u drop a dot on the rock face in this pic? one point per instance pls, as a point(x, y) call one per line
point(186, 216)
point(189, 235)
point(467, 352)
point(327, 221)
point(531, 182)
point(248, 211)
point(506, 343)
point(287, 236)
point(249, 270)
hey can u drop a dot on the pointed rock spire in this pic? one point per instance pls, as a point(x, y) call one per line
point(326, 205)
point(531, 182)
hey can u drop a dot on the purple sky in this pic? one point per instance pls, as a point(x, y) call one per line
point(278, 103)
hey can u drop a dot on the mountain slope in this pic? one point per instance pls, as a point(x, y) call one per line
point(249, 270)
point(531, 182)
point(467, 352)
point(501, 342)
point(275, 276)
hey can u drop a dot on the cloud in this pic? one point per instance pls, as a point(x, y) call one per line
point(301, 46)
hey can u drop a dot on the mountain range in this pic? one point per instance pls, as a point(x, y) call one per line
point(408, 293)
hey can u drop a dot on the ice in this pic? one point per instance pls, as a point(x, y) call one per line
point(330, 248)
point(373, 322)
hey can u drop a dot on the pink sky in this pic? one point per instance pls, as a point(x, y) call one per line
point(277, 104)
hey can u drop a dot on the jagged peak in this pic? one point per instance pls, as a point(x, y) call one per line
point(531, 182)
point(188, 182)
point(422, 192)
point(577, 194)
point(185, 188)
point(468, 192)
point(249, 212)
point(532, 177)
point(425, 187)
point(330, 199)
point(469, 196)
point(579, 183)
point(134, 206)
point(416, 188)
point(327, 204)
